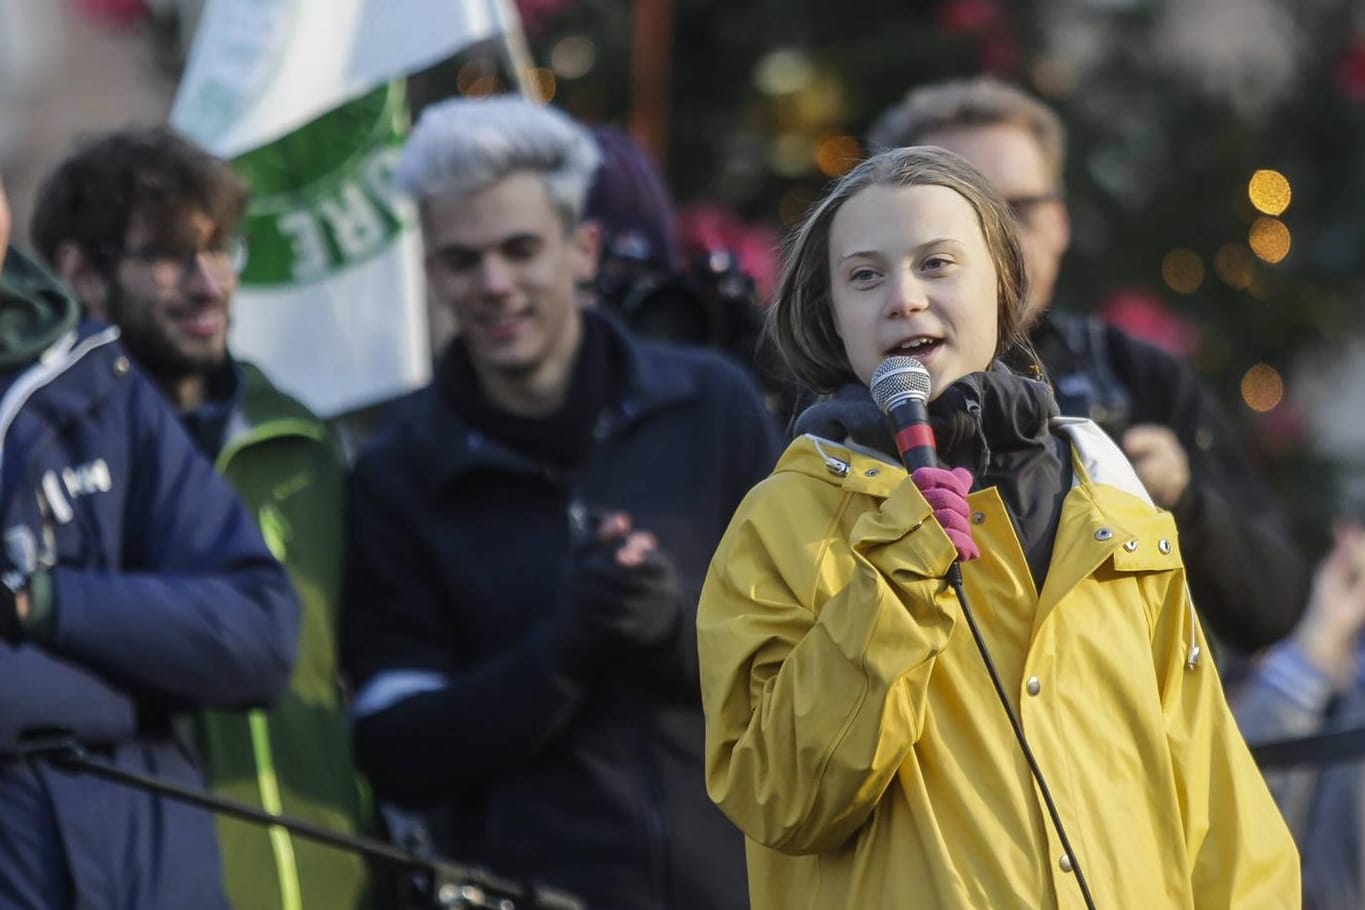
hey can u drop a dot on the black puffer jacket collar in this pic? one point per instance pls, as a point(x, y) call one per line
point(995, 424)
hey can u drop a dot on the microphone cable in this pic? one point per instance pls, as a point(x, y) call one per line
point(954, 578)
point(900, 387)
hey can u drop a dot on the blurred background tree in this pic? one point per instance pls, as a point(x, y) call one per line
point(1215, 177)
point(1216, 172)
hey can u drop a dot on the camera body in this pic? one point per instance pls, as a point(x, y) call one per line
point(1083, 394)
point(1086, 385)
point(711, 302)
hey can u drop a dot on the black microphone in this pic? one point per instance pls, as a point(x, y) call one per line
point(900, 386)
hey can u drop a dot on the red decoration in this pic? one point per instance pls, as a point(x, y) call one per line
point(1144, 314)
point(970, 17)
point(1350, 71)
point(112, 12)
point(999, 53)
point(710, 226)
point(1281, 430)
point(535, 14)
point(984, 20)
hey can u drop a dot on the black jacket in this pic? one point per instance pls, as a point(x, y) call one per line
point(457, 542)
point(1247, 576)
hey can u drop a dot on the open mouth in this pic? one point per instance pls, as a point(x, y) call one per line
point(920, 346)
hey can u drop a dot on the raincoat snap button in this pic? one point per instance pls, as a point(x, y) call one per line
point(1130, 546)
point(978, 517)
point(1163, 545)
point(1103, 534)
point(121, 366)
point(1035, 685)
point(871, 472)
point(1065, 863)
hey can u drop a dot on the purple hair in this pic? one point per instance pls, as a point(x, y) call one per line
point(631, 202)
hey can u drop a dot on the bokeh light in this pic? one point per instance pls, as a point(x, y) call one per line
point(1262, 388)
point(1234, 266)
point(836, 155)
point(783, 72)
point(1053, 77)
point(573, 57)
point(477, 78)
point(1270, 192)
point(544, 82)
point(1269, 239)
point(821, 104)
point(1182, 270)
point(792, 154)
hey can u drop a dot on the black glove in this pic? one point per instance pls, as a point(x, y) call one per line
point(608, 607)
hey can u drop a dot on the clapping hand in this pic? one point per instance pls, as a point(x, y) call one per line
point(620, 591)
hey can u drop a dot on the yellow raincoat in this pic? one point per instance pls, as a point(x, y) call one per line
point(853, 734)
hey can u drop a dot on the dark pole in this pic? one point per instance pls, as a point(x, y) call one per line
point(651, 66)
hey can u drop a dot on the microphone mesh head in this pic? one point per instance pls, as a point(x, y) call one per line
point(897, 379)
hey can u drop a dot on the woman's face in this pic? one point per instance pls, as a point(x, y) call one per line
point(910, 274)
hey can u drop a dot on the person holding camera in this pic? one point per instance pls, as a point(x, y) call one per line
point(702, 297)
point(1247, 575)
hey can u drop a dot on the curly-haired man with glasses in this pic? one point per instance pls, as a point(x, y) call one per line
point(143, 225)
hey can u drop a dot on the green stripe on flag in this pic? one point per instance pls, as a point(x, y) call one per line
point(322, 196)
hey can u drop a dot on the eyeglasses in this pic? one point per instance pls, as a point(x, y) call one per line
point(1023, 208)
point(223, 260)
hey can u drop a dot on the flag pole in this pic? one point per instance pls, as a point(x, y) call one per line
point(518, 52)
point(651, 59)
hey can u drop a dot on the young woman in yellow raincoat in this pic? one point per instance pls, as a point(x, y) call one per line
point(853, 732)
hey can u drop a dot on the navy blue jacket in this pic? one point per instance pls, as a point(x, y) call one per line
point(166, 598)
point(457, 546)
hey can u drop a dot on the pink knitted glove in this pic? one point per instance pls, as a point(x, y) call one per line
point(946, 493)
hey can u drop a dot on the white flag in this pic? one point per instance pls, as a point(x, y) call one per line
point(303, 97)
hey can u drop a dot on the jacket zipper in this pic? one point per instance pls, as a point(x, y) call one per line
point(656, 822)
point(582, 520)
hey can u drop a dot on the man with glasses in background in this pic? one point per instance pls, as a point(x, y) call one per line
point(142, 225)
point(1247, 577)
